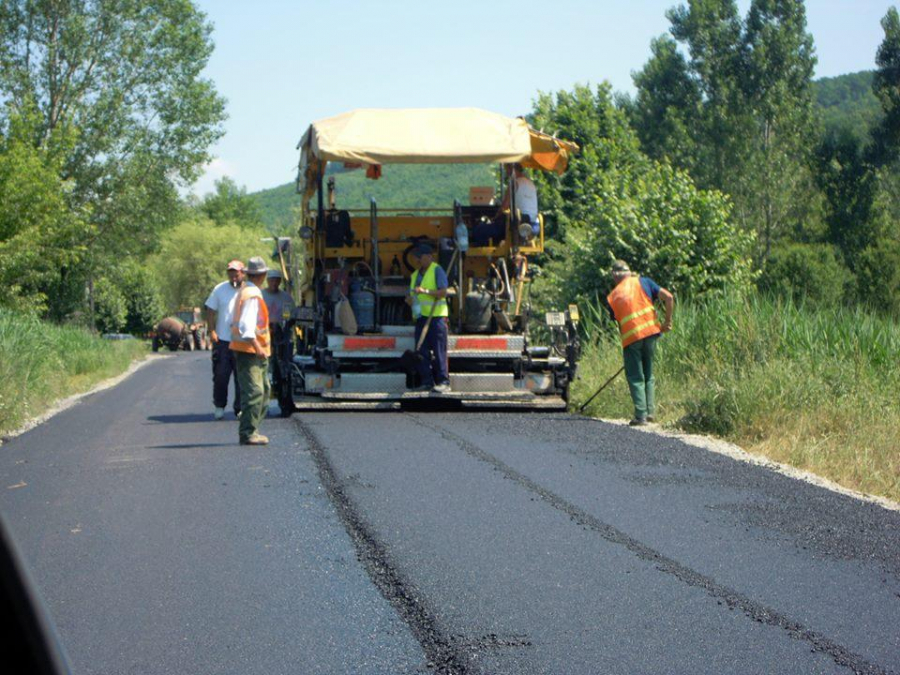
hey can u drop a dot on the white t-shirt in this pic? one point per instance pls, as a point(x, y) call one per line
point(249, 314)
point(222, 300)
point(526, 197)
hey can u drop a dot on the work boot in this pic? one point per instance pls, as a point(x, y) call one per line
point(638, 422)
point(441, 388)
point(651, 419)
point(256, 439)
point(219, 413)
point(422, 387)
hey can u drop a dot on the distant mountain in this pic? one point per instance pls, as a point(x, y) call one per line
point(847, 102)
point(407, 186)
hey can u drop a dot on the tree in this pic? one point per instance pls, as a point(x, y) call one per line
point(886, 85)
point(668, 101)
point(858, 176)
point(738, 113)
point(143, 298)
point(193, 256)
point(231, 205)
point(625, 205)
point(39, 234)
point(122, 78)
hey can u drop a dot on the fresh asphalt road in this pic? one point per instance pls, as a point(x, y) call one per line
point(422, 542)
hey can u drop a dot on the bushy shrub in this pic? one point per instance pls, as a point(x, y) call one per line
point(110, 307)
point(807, 272)
point(878, 277)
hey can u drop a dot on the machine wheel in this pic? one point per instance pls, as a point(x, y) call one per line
point(155, 344)
point(189, 343)
point(285, 399)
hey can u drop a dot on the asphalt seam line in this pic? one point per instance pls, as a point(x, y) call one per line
point(410, 604)
point(752, 609)
point(66, 403)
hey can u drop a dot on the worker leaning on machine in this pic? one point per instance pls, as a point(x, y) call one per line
point(428, 297)
point(631, 304)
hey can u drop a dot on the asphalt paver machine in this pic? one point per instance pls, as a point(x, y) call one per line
point(362, 259)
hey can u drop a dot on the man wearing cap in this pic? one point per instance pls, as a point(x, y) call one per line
point(428, 297)
point(219, 315)
point(250, 344)
point(280, 305)
point(631, 305)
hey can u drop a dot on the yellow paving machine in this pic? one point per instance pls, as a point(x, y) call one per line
point(349, 270)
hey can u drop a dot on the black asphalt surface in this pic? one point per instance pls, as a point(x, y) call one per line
point(422, 542)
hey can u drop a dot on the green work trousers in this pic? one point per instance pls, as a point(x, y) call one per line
point(252, 373)
point(639, 373)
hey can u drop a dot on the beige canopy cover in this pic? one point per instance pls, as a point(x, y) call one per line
point(376, 136)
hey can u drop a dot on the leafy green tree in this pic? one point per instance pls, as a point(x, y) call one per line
point(39, 234)
point(193, 256)
point(602, 131)
point(738, 112)
point(858, 177)
point(143, 298)
point(886, 85)
point(230, 204)
point(620, 204)
point(122, 78)
point(111, 307)
point(667, 104)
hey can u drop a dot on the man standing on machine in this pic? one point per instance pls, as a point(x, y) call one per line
point(428, 297)
point(526, 201)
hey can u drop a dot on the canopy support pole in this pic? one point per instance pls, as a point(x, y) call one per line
point(376, 262)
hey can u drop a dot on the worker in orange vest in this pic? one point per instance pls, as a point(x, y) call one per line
point(631, 304)
point(250, 344)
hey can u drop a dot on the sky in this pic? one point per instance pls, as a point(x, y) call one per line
point(283, 64)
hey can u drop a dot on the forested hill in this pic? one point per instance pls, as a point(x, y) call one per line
point(846, 101)
point(400, 186)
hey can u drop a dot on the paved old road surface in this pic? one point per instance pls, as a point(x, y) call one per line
point(441, 542)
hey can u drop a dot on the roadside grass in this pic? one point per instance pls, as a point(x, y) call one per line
point(41, 363)
point(816, 388)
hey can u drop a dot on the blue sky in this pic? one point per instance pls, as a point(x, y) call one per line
point(284, 64)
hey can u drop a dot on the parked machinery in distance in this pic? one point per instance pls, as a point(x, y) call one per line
point(186, 330)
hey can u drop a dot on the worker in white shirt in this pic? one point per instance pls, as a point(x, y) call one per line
point(526, 201)
point(219, 316)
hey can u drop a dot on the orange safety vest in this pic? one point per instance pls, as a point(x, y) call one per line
point(238, 343)
point(634, 311)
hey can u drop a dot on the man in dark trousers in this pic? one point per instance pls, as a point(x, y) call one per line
point(219, 315)
point(631, 304)
point(428, 297)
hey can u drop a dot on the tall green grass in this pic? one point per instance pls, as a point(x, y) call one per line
point(817, 388)
point(41, 362)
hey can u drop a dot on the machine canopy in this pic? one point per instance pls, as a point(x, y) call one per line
point(373, 136)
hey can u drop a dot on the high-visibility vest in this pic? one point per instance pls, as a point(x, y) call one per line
point(634, 311)
point(238, 343)
point(428, 303)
